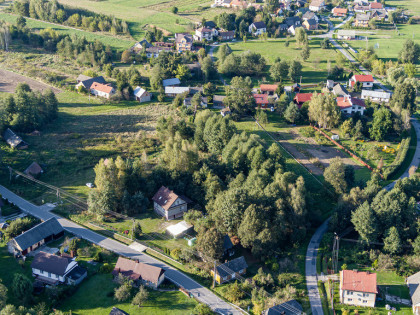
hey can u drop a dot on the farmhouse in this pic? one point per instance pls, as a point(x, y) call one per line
point(365, 79)
point(14, 140)
point(339, 11)
point(53, 269)
point(358, 288)
point(362, 20)
point(34, 170)
point(291, 307)
point(376, 96)
point(183, 42)
point(230, 270)
point(301, 98)
point(317, 5)
point(86, 82)
point(257, 28)
point(142, 95)
point(102, 90)
point(171, 82)
point(139, 272)
point(413, 283)
point(173, 91)
point(35, 237)
point(351, 105)
point(170, 205)
point(346, 34)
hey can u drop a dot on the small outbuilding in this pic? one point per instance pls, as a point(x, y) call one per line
point(34, 170)
point(142, 95)
point(14, 140)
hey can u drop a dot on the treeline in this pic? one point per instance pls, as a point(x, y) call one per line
point(26, 110)
point(239, 186)
point(52, 11)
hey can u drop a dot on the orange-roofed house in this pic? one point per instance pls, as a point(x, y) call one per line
point(301, 98)
point(358, 288)
point(169, 205)
point(102, 90)
point(339, 11)
point(351, 105)
point(366, 79)
point(376, 6)
point(269, 89)
point(261, 100)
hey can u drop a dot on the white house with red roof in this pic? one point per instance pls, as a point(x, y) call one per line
point(261, 100)
point(301, 98)
point(366, 79)
point(351, 105)
point(358, 288)
point(102, 90)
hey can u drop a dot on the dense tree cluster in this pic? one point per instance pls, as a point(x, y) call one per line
point(283, 70)
point(26, 110)
point(52, 11)
point(247, 63)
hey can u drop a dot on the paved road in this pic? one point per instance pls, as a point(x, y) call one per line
point(202, 294)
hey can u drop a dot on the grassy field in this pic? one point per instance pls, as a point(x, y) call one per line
point(314, 69)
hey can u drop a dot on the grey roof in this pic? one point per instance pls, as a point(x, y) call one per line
point(117, 311)
point(292, 20)
point(145, 44)
point(12, 139)
point(234, 265)
point(414, 287)
point(227, 243)
point(340, 90)
point(51, 263)
point(379, 94)
point(88, 83)
point(176, 89)
point(259, 25)
point(283, 26)
point(312, 22)
point(82, 77)
point(169, 82)
point(308, 15)
point(291, 307)
point(139, 91)
point(34, 169)
point(363, 17)
point(210, 24)
point(38, 233)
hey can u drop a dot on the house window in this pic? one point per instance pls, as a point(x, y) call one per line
point(350, 292)
point(349, 300)
point(364, 301)
point(360, 107)
point(49, 275)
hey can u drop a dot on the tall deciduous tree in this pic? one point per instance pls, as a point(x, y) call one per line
point(210, 243)
point(381, 125)
point(410, 52)
point(335, 175)
point(141, 297)
point(324, 111)
point(365, 222)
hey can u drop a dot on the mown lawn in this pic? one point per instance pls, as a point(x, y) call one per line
point(95, 296)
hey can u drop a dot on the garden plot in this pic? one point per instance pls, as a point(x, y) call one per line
point(9, 81)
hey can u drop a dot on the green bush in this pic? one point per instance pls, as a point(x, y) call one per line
point(307, 132)
point(392, 169)
point(106, 268)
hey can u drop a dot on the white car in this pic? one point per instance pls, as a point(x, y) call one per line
point(216, 43)
point(90, 185)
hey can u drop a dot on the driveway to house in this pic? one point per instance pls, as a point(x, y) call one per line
point(201, 293)
point(212, 47)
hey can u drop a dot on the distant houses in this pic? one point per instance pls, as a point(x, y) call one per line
point(230, 270)
point(169, 205)
point(358, 288)
point(35, 237)
point(139, 273)
point(14, 140)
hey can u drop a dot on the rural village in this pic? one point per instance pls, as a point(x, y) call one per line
point(210, 157)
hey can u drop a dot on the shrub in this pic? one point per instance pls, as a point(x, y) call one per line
point(307, 132)
point(106, 268)
point(399, 159)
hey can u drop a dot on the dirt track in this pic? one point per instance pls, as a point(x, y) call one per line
point(9, 81)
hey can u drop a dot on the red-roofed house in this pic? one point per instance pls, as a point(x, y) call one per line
point(102, 90)
point(339, 11)
point(366, 79)
point(301, 98)
point(169, 205)
point(261, 100)
point(351, 105)
point(358, 288)
point(376, 5)
point(269, 89)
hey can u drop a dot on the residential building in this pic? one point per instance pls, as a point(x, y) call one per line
point(218, 101)
point(257, 28)
point(413, 283)
point(203, 101)
point(82, 77)
point(310, 25)
point(339, 12)
point(156, 50)
point(376, 96)
point(142, 95)
point(346, 34)
point(301, 98)
point(261, 100)
point(228, 247)
point(222, 3)
point(310, 16)
point(102, 90)
point(14, 140)
point(211, 25)
point(292, 30)
point(173, 91)
point(351, 105)
point(34, 170)
point(171, 82)
point(379, 14)
point(179, 230)
point(358, 288)
point(330, 84)
point(230, 270)
point(241, 4)
point(291, 307)
point(139, 273)
point(361, 7)
point(365, 79)
point(203, 33)
point(86, 82)
point(340, 90)
point(283, 27)
point(317, 5)
point(292, 21)
point(35, 237)
point(226, 35)
point(143, 44)
point(52, 269)
point(375, 5)
point(117, 311)
point(169, 205)
point(362, 20)
point(183, 42)
point(269, 89)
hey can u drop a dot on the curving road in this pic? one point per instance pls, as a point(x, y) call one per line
point(201, 293)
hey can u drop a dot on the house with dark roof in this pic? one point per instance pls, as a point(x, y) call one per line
point(52, 269)
point(87, 82)
point(230, 270)
point(14, 140)
point(117, 311)
point(351, 105)
point(310, 25)
point(310, 16)
point(169, 205)
point(34, 170)
point(226, 35)
point(35, 237)
point(291, 307)
point(358, 288)
point(340, 90)
point(140, 273)
point(228, 247)
point(413, 283)
point(292, 21)
point(257, 28)
point(143, 44)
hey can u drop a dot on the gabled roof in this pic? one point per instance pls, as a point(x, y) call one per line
point(363, 78)
point(340, 90)
point(180, 36)
point(227, 243)
point(303, 97)
point(359, 281)
point(376, 5)
point(51, 263)
point(101, 87)
point(414, 286)
point(12, 139)
point(176, 89)
point(204, 30)
point(88, 83)
point(339, 10)
point(346, 102)
point(268, 87)
point(311, 22)
point(317, 3)
point(137, 270)
point(171, 81)
point(117, 311)
point(38, 233)
point(308, 15)
point(292, 20)
point(362, 17)
point(165, 197)
point(232, 266)
point(226, 33)
point(33, 169)
point(139, 91)
point(259, 25)
point(291, 307)
point(261, 99)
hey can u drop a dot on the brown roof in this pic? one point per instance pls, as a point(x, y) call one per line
point(165, 197)
point(33, 169)
point(376, 5)
point(359, 281)
point(50, 263)
point(346, 102)
point(101, 87)
point(268, 87)
point(137, 270)
point(340, 11)
point(317, 3)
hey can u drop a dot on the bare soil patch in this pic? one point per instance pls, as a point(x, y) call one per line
point(9, 80)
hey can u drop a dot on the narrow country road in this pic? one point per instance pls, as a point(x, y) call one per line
point(212, 47)
point(201, 293)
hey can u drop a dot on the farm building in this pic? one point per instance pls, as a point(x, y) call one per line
point(14, 140)
point(142, 95)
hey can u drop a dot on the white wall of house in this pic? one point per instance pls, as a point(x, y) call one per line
point(175, 211)
point(357, 298)
point(258, 31)
point(102, 94)
point(354, 109)
point(49, 275)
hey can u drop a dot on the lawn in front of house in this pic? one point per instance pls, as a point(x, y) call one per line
point(96, 296)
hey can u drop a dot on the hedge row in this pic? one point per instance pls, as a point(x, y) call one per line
point(399, 159)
